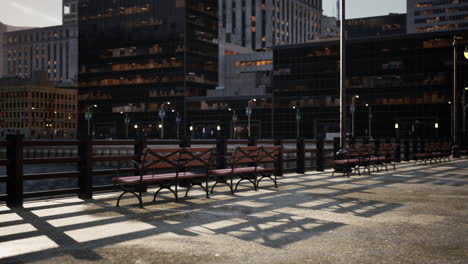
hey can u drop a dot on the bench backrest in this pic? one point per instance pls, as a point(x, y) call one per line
point(244, 156)
point(197, 158)
point(269, 154)
point(160, 158)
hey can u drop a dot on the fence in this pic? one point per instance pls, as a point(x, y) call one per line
point(107, 158)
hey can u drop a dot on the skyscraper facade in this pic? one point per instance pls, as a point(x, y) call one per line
point(258, 24)
point(70, 11)
point(53, 50)
point(437, 15)
point(136, 56)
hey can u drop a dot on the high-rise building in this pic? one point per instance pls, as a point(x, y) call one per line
point(247, 26)
point(4, 28)
point(51, 49)
point(36, 108)
point(136, 56)
point(437, 15)
point(330, 27)
point(70, 11)
point(400, 79)
point(258, 24)
point(391, 24)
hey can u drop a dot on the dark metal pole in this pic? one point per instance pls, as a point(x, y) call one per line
point(342, 75)
point(455, 94)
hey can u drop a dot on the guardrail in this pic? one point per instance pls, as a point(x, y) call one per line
point(299, 155)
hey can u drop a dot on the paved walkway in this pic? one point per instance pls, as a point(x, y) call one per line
point(411, 215)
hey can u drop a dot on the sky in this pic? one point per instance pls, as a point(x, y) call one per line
point(42, 13)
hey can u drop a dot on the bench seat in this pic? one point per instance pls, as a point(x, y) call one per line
point(148, 179)
point(346, 161)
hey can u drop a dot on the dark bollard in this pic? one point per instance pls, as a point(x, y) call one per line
point(15, 155)
point(398, 150)
point(319, 154)
point(300, 156)
point(407, 150)
point(252, 142)
point(85, 181)
point(185, 142)
point(279, 166)
point(221, 151)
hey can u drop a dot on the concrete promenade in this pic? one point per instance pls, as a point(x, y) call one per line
point(415, 214)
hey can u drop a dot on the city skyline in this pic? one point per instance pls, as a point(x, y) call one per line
point(31, 13)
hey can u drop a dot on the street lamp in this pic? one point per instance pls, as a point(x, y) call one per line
point(234, 119)
point(298, 119)
point(397, 130)
point(464, 105)
point(127, 122)
point(436, 126)
point(370, 120)
point(248, 112)
point(89, 116)
point(162, 114)
point(343, 74)
point(353, 109)
point(455, 109)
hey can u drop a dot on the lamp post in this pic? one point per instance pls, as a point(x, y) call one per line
point(178, 120)
point(137, 131)
point(127, 122)
point(353, 109)
point(248, 112)
point(234, 119)
point(464, 105)
point(436, 126)
point(162, 114)
point(191, 130)
point(397, 130)
point(342, 74)
point(370, 120)
point(89, 116)
point(455, 106)
point(298, 119)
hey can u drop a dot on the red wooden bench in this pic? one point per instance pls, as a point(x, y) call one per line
point(247, 164)
point(166, 168)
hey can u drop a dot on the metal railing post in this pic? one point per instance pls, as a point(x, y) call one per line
point(279, 166)
point(300, 155)
point(85, 181)
point(221, 150)
point(319, 154)
point(15, 156)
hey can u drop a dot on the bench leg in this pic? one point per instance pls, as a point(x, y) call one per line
point(161, 188)
point(271, 178)
point(250, 180)
point(138, 196)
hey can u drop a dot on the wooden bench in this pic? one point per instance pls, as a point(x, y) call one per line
point(434, 152)
point(166, 168)
point(246, 164)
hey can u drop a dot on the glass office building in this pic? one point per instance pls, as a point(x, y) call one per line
point(136, 55)
point(405, 80)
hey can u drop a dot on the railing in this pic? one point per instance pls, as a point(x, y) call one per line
point(95, 160)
